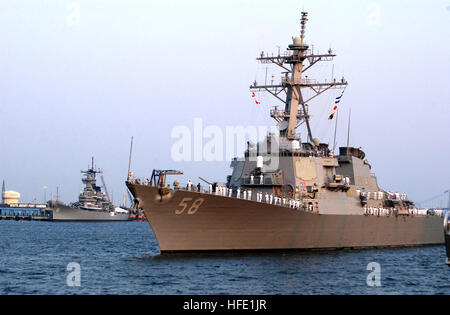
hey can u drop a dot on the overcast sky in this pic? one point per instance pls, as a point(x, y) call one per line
point(79, 78)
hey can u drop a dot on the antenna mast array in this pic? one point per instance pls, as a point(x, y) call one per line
point(293, 62)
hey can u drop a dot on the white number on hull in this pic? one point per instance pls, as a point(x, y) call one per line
point(193, 209)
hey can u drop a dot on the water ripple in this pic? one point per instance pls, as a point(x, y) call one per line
point(123, 258)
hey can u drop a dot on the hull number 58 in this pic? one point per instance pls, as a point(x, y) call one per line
point(186, 202)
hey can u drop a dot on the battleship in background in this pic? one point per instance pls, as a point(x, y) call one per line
point(311, 199)
point(92, 205)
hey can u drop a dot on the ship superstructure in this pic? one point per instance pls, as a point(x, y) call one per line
point(288, 192)
point(92, 197)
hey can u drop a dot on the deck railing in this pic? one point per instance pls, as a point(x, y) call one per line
point(259, 196)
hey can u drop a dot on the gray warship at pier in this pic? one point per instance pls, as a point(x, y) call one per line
point(287, 193)
point(93, 204)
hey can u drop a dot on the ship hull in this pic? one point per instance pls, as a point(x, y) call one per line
point(230, 224)
point(447, 237)
point(65, 213)
point(447, 242)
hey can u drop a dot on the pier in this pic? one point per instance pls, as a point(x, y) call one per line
point(25, 212)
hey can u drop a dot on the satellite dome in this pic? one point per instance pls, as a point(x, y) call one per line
point(297, 41)
point(316, 142)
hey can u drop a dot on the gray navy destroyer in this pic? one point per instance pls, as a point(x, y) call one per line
point(92, 205)
point(287, 192)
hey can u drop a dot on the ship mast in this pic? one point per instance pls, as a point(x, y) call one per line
point(293, 62)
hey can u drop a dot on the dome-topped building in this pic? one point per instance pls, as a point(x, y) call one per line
point(10, 197)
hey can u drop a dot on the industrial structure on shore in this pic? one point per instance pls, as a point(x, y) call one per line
point(11, 208)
